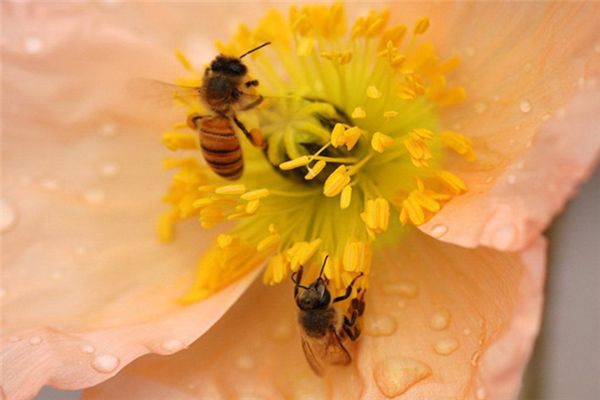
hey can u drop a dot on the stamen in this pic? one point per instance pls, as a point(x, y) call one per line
point(346, 197)
point(236, 189)
point(255, 194)
point(295, 163)
point(359, 113)
point(380, 141)
point(373, 93)
point(336, 182)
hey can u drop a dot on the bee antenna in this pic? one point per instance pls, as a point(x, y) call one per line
point(254, 49)
point(323, 266)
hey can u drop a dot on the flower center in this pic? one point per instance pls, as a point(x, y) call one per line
point(354, 149)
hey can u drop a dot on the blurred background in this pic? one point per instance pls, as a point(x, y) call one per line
point(566, 360)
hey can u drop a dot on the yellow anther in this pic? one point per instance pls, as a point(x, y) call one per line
point(295, 163)
point(452, 181)
point(346, 197)
point(377, 215)
point(411, 210)
point(421, 26)
point(373, 92)
point(206, 189)
point(357, 257)
point(166, 226)
point(301, 252)
point(235, 216)
point(336, 182)
point(359, 113)
point(211, 212)
point(236, 189)
point(390, 114)
point(272, 228)
point(412, 87)
point(224, 240)
point(459, 143)
point(179, 141)
point(276, 270)
point(416, 143)
point(315, 170)
point(252, 206)
point(352, 136)
point(338, 135)
point(423, 133)
point(340, 57)
point(270, 243)
point(200, 203)
point(184, 60)
point(381, 141)
point(255, 194)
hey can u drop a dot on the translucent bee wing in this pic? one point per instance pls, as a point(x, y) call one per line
point(162, 93)
point(326, 351)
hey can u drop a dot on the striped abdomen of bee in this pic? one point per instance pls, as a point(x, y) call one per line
point(221, 147)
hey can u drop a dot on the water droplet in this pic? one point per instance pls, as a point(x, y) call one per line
point(172, 345)
point(480, 107)
point(439, 230)
point(50, 184)
point(404, 289)
point(546, 117)
point(244, 362)
point(8, 215)
point(380, 325)
point(504, 237)
point(282, 331)
point(439, 320)
point(511, 179)
point(109, 170)
point(480, 393)
point(446, 346)
point(14, 339)
point(87, 348)
point(108, 129)
point(35, 340)
point(105, 363)
point(33, 45)
point(525, 106)
point(94, 196)
point(395, 376)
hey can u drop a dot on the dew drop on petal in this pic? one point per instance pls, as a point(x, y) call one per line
point(439, 320)
point(395, 376)
point(33, 45)
point(245, 362)
point(504, 237)
point(94, 196)
point(404, 289)
point(525, 106)
point(109, 170)
point(35, 340)
point(446, 346)
point(439, 230)
point(172, 345)
point(282, 330)
point(87, 348)
point(105, 363)
point(8, 215)
point(380, 325)
point(480, 393)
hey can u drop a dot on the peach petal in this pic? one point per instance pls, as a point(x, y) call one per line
point(86, 286)
point(544, 64)
point(522, 201)
point(493, 304)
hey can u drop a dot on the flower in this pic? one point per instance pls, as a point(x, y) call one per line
point(452, 321)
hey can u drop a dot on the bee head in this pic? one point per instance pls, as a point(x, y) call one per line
point(316, 296)
point(230, 66)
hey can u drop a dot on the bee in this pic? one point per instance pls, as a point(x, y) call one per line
point(323, 329)
point(224, 90)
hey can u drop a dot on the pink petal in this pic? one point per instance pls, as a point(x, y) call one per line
point(87, 287)
point(423, 294)
point(522, 64)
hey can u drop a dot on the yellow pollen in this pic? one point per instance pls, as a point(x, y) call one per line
point(357, 257)
point(252, 206)
point(336, 182)
point(166, 226)
point(179, 141)
point(200, 203)
point(459, 143)
point(255, 194)
point(338, 135)
point(421, 26)
point(377, 215)
point(184, 61)
point(346, 197)
point(381, 141)
point(269, 243)
point(359, 113)
point(452, 181)
point(224, 240)
point(390, 114)
point(295, 163)
point(373, 92)
point(236, 189)
point(352, 135)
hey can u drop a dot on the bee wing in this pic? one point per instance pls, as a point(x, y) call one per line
point(326, 351)
point(162, 93)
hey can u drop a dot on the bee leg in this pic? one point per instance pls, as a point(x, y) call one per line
point(253, 104)
point(348, 290)
point(297, 278)
point(357, 308)
point(254, 135)
point(253, 82)
point(192, 120)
